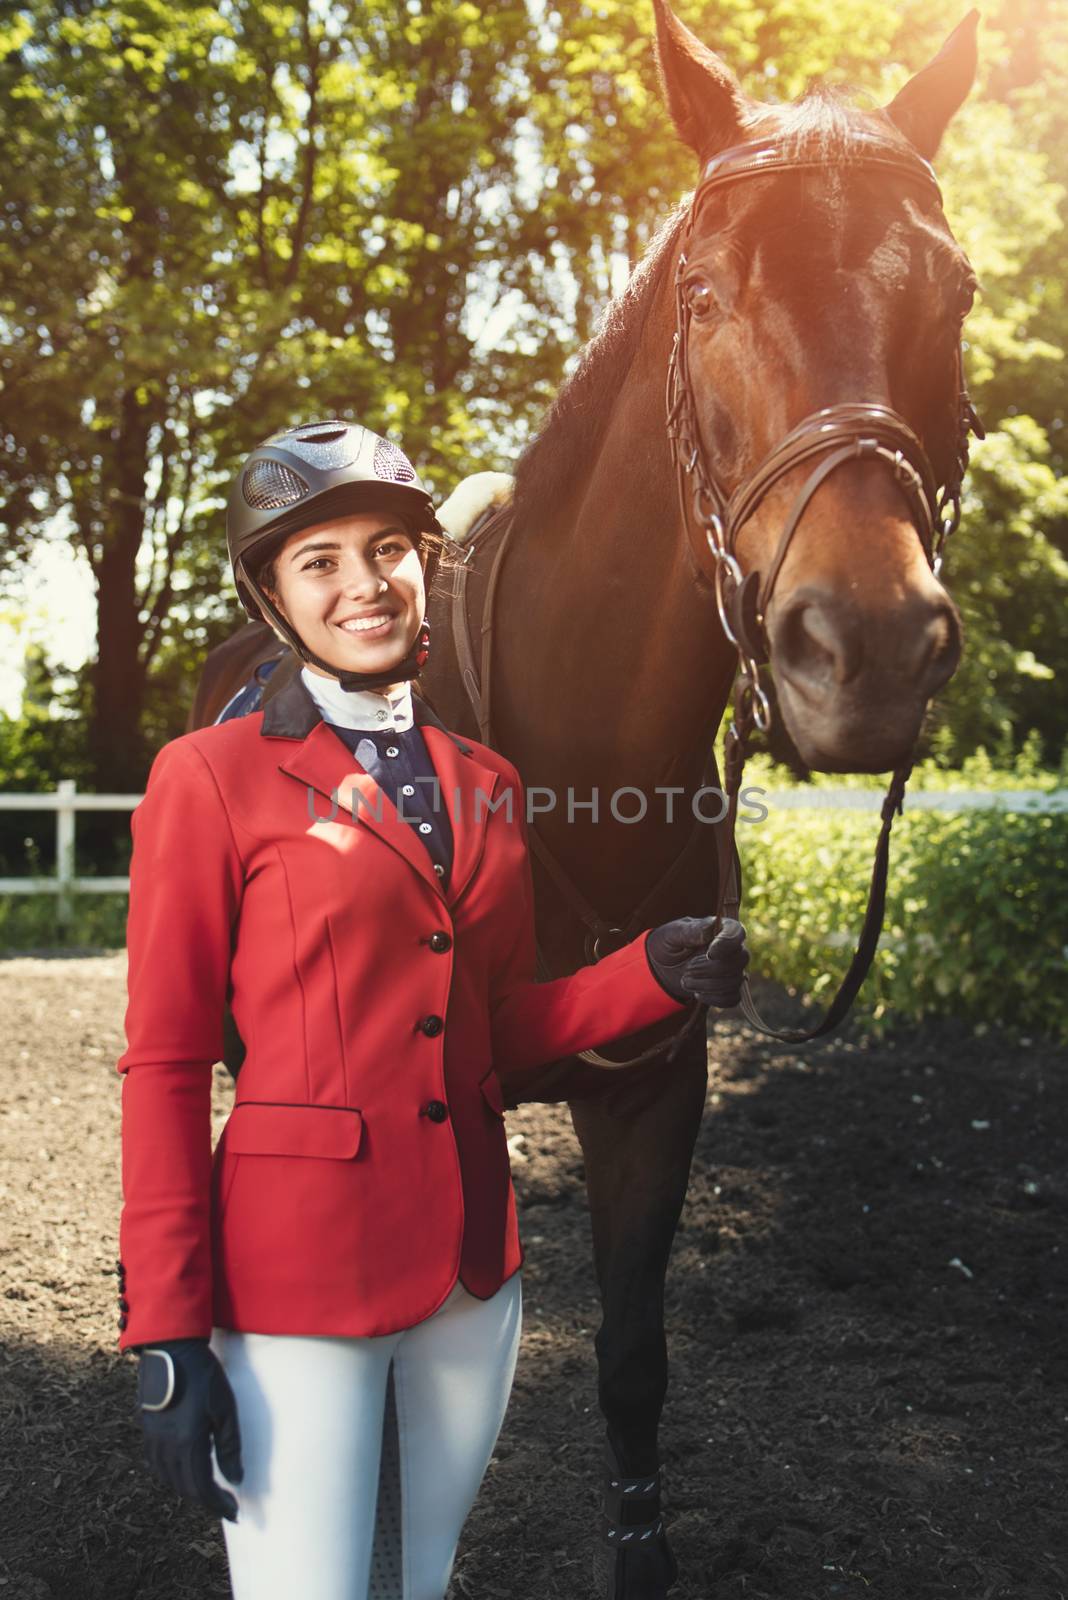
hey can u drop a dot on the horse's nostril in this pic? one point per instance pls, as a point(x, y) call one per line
point(814, 640)
point(940, 649)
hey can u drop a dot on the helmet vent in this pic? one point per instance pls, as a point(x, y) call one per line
point(392, 464)
point(268, 486)
point(319, 432)
point(328, 446)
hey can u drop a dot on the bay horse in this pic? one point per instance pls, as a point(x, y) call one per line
point(817, 278)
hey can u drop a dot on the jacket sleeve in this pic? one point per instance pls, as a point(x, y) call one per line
point(533, 1023)
point(186, 880)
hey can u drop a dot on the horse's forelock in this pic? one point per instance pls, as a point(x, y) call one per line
point(822, 124)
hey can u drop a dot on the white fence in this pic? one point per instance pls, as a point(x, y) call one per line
point(66, 802)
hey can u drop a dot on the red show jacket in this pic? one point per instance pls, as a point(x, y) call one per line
point(364, 1166)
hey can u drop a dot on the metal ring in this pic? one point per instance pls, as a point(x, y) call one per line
point(704, 505)
point(596, 946)
point(726, 564)
point(759, 703)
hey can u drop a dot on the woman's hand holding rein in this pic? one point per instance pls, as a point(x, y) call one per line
point(688, 971)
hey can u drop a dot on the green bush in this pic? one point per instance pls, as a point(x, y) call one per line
point(976, 919)
point(30, 922)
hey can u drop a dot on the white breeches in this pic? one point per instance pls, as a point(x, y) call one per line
point(324, 1420)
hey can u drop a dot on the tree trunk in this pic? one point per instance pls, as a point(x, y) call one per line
point(116, 744)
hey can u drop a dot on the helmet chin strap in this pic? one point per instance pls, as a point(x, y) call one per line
point(410, 667)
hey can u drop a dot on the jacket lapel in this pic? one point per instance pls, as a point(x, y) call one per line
point(325, 765)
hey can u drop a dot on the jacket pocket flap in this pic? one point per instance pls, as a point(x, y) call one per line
point(258, 1128)
point(491, 1090)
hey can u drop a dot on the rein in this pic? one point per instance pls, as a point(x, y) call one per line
point(713, 520)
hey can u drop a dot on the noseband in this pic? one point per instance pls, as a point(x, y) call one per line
point(713, 520)
point(830, 437)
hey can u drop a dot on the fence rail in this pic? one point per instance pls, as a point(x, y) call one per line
point(66, 802)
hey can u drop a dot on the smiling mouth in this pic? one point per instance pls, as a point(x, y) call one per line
point(364, 627)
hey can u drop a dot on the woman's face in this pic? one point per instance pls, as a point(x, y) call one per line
point(352, 588)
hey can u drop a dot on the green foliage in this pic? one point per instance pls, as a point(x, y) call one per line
point(1004, 768)
point(1008, 573)
point(31, 922)
point(976, 922)
point(221, 218)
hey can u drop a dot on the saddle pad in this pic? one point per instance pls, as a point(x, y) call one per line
point(470, 501)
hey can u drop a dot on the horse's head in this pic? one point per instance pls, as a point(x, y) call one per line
point(829, 278)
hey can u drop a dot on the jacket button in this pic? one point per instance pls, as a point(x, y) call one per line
point(124, 1304)
point(122, 1323)
point(437, 1110)
point(440, 942)
point(431, 1025)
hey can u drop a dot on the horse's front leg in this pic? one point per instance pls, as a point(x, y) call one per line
point(637, 1141)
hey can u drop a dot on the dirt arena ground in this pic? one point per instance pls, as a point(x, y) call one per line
point(867, 1307)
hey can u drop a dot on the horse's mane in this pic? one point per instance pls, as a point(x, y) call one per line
point(571, 433)
point(823, 124)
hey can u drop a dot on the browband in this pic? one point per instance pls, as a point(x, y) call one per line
point(760, 156)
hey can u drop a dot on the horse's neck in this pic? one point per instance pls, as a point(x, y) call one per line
point(615, 670)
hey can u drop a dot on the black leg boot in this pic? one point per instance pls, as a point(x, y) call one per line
point(633, 1560)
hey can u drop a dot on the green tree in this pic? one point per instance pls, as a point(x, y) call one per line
point(219, 218)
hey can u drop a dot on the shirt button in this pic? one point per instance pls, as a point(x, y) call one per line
point(407, 788)
point(436, 1110)
point(440, 942)
point(431, 1025)
point(391, 750)
point(425, 827)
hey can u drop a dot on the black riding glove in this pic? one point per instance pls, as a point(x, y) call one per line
point(684, 967)
point(184, 1398)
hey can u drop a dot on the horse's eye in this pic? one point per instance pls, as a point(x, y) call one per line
point(967, 297)
point(699, 298)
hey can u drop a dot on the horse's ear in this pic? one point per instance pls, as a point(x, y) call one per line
point(923, 108)
point(706, 101)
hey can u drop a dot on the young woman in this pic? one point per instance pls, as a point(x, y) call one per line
point(327, 1312)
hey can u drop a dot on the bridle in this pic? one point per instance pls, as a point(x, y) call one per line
point(828, 439)
point(713, 520)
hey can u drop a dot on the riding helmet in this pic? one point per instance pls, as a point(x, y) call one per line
point(306, 475)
